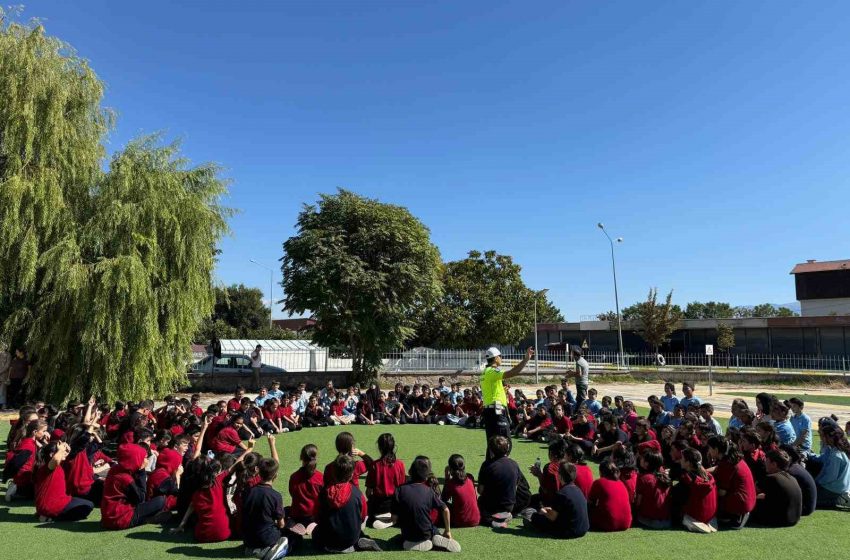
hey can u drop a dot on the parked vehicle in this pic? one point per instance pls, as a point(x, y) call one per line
point(231, 363)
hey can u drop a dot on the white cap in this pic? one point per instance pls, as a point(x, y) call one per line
point(492, 352)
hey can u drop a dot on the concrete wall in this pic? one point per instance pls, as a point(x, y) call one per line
point(821, 307)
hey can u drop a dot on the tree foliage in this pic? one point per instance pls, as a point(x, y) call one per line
point(709, 310)
point(655, 322)
point(725, 337)
point(485, 302)
point(240, 313)
point(365, 270)
point(106, 274)
point(766, 310)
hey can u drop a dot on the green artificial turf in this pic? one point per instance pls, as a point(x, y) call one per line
point(22, 537)
point(805, 397)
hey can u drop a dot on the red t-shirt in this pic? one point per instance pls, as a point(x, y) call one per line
point(609, 506)
point(213, 524)
point(197, 411)
point(23, 478)
point(79, 474)
point(272, 415)
point(234, 404)
point(737, 481)
point(51, 495)
point(584, 479)
point(462, 501)
point(286, 411)
point(383, 477)
point(550, 483)
point(305, 490)
point(702, 497)
point(630, 480)
point(654, 500)
point(538, 421)
point(562, 425)
point(226, 440)
point(444, 408)
point(338, 408)
point(359, 469)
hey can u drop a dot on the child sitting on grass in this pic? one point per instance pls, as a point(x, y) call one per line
point(459, 494)
point(382, 478)
point(263, 516)
point(345, 446)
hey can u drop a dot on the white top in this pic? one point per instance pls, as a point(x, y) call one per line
point(256, 360)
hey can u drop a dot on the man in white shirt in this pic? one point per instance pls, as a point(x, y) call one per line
point(256, 364)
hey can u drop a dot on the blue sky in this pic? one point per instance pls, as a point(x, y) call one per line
point(712, 136)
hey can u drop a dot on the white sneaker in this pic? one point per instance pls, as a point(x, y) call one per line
point(423, 546)
point(450, 545)
point(279, 550)
point(441, 423)
point(11, 490)
point(286, 430)
point(380, 524)
point(501, 520)
point(44, 519)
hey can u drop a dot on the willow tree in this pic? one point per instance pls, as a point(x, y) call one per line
point(105, 274)
point(364, 269)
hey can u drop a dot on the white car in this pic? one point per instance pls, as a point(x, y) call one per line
point(231, 363)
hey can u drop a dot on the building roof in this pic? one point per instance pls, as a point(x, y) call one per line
point(297, 324)
point(821, 266)
point(229, 346)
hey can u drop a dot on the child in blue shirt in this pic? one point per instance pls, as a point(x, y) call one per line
point(802, 425)
point(833, 480)
point(669, 400)
point(593, 406)
point(783, 428)
point(689, 398)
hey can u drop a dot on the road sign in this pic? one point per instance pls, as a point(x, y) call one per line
point(709, 349)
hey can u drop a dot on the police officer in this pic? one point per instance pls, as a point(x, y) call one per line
point(496, 419)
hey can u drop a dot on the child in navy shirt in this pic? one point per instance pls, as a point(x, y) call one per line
point(567, 517)
point(411, 511)
point(263, 518)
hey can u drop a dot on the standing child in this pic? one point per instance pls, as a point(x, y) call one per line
point(669, 400)
point(459, 494)
point(52, 501)
point(382, 478)
point(263, 516)
point(412, 506)
point(689, 399)
point(345, 446)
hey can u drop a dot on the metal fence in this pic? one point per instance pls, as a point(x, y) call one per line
point(426, 359)
point(422, 359)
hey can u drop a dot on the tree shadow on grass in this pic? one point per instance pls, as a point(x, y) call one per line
point(522, 532)
point(10, 516)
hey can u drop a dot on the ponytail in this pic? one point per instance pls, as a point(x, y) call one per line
point(309, 454)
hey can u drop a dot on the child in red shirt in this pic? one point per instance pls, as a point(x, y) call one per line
point(700, 507)
point(124, 503)
point(209, 505)
point(608, 502)
point(652, 492)
point(228, 440)
point(382, 478)
point(736, 489)
point(460, 495)
point(305, 484)
point(584, 476)
point(547, 475)
point(345, 446)
point(52, 501)
point(20, 463)
point(165, 479)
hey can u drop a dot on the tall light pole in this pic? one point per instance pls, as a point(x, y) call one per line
point(622, 358)
point(271, 292)
point(536, 351)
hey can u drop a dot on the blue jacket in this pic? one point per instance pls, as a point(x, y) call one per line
point(835, 470)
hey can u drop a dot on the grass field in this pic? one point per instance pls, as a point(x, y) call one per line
point(22, 537)
point(806, 398)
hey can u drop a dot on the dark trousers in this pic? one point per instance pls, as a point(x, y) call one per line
point(15, 393)
point(146, 510)
point(496, 424)
point(95, 492)
point(76, 510)
point(581, 394)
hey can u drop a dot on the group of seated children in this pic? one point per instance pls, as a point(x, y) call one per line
point(673, 467)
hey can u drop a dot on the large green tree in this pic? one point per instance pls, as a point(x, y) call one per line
point(364, 269)
point(656, 321)
point(106, 274)
point(240, 313)
point(709, 310)
point(485, 301)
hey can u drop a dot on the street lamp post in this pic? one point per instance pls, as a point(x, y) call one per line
point(271, 292)
point(536, 351)
point(622, 357)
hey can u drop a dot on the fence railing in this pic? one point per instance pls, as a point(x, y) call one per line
point(320, 360)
